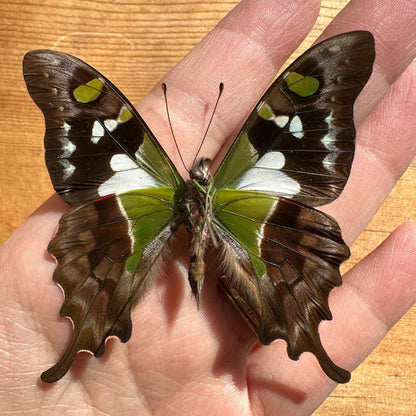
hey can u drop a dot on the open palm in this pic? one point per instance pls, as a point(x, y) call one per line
point(184, 361)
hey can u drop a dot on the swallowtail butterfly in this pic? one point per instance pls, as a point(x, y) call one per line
point(280, 255)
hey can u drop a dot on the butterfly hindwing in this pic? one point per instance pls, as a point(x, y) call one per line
point(283, 260)
point(108, 252)
point(299, 141)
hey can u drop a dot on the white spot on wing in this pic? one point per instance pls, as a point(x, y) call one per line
point(110, 124)
point(329, 141)
point(271, 160)
point(66, 127)
point(334, 48)
point(67, 147)
point(127, 176)
point(265, 176)
point(97, 132)
point(68, 168)
point(329, 119)
point(120, 162)
point(269, 181)
point(330, 160)
point(281, 121)
point(296, 127)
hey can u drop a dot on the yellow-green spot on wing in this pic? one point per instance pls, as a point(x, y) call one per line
point(88, 92)
point(133, 262)
point(265, 113)
point(301, 85)
point(125, 115)
point(239, 159)
point(160, 167)
point(244, 213)
point(149, 211)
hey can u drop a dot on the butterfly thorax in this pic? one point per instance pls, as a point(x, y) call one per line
point(197, 216)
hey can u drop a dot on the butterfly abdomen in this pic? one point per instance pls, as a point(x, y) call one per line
point(196, 210)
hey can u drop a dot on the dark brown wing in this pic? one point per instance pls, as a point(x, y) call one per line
point(302, 250)
point(299, 140)
point(96, 143)
point(105, 266)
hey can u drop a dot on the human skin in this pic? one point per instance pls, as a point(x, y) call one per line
point(183, 361)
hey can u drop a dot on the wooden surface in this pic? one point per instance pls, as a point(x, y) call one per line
point(109, 36)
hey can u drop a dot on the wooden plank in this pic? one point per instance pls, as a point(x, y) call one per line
point(110, 38)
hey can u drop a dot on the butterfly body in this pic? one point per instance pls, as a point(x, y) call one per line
point(280, 255)
point(197, 214)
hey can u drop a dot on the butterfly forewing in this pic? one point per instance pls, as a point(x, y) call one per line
point(96, 144)
point(299, 140)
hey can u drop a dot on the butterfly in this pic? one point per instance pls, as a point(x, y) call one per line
point(280, 255)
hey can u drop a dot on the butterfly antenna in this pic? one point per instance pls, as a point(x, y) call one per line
point(221, 89)
point(164, 88)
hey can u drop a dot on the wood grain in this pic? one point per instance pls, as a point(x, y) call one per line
point(110, 35)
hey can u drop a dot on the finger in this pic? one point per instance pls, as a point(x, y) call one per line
point(26, 251)
point(386, 146)
point(30, 298)
point(393, 25)
point(380, 290)
point(244, 52)
point(375, 295)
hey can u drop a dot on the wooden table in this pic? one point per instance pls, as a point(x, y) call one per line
point(161, 33)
